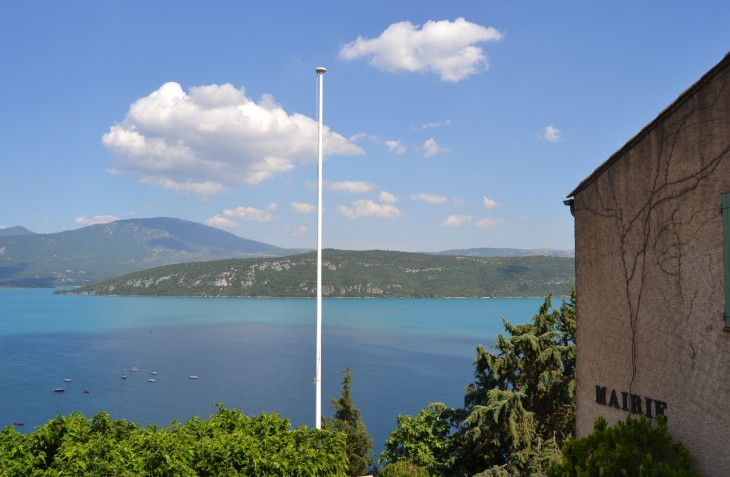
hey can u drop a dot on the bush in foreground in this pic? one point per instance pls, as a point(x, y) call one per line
point(403, 468)
point(630, 448)
point(228, 444)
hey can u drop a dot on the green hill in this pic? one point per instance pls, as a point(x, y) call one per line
point(350, 274)
point(100, 252)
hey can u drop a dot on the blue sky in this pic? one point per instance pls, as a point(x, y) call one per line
point(443, 133)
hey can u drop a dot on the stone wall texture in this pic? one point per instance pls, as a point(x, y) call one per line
point(649, 274)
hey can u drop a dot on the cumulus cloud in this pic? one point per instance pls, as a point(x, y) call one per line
point(444, 47)
point(98, 219)
point(271, 206)
point(213, 138)
point(351, 187)
point(490, 204)
point(221, 222)
point(249, 213)
point(552, 134)
point(430, 147)
point(301, 208)
point(2, 227)
point(429, 198)
point(387, 197)
point(490, 222)
point(395, 146)
point(368, 209)
point(456, 220)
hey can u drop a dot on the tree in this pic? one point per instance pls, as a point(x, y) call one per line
point(521, 407)
point(517, 413)
point(348, 419)
point(421, 440)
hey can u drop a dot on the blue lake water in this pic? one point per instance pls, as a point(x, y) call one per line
point(256, 355)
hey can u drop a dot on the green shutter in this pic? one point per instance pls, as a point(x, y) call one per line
point(725, 210)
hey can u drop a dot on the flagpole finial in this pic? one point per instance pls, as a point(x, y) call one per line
point(321, 70)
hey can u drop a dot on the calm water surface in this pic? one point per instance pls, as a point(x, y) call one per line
point(256, 355)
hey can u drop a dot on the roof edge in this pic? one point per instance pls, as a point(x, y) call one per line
point(681, 99)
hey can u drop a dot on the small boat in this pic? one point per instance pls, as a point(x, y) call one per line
point(193, 377)
point(18, 423)
point(152, 380)
point(154, 371)
point(67, 380)
point(134, 369)
point(124, 374)
point(59, 389)
point(86, 391)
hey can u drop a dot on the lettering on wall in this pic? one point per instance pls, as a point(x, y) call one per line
point(632, 403)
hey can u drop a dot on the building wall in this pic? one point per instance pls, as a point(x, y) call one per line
point(649, 275)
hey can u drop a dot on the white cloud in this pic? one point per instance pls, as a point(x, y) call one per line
point(395, 146)
point(98, 219)
point(456, 220)
point(351, 187)
point(444, 47)
point(358, 136)
point(301, 208)
point(213, 138)
point(221, 222)
point(435, 125)
point(490, 222)
point(2, 227)
point(429, 198)
point(202, 189)
point(387, 197)
point(432, 148)
point(552, 134)
point(271, 206)
point(132, 213)
point(367, 208)
point(490, 204)
point(114, 171)
point(249, 213)
point(299, 230)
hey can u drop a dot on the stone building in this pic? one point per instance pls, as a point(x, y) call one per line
point(652, 247)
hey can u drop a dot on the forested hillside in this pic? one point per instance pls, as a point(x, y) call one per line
point(350, 274)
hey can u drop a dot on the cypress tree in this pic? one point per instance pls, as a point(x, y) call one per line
point(348, 419)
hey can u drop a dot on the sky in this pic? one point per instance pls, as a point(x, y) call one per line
point(448, 125)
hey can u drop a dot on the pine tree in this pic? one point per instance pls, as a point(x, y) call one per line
point(521, 407)
point(348, 419)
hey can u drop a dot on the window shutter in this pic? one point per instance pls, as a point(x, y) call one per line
point(725, 210)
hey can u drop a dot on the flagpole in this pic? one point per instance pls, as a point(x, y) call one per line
point(318, 379)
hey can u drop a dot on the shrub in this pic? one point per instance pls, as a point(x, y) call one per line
point(630, 448)
point(403, 468)
point(228, 444)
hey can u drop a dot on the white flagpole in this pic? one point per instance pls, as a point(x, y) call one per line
point(318, 379)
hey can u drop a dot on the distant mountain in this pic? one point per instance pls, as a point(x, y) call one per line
point(507, 252)
point(347, 273)
point(17, 230)
point(100, 252)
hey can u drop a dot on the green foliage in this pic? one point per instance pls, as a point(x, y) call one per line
point(421, 440)
point(516, 414)
point(228, 444)
point(348, 420)
point(521, 407)
point(630, 448)
point(373, 273)
point(403, 468)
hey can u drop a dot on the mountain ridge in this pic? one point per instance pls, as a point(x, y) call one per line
point(349, 274)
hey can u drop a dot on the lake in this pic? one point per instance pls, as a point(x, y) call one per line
point(254, 354)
